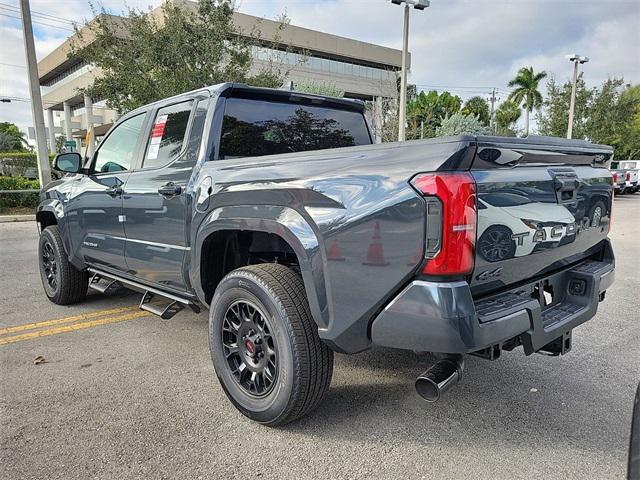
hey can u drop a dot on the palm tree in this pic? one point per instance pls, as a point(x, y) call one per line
point(526, 92)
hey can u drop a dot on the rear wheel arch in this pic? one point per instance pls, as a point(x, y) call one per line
point(225, 244)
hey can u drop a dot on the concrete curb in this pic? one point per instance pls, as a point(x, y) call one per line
point(17, 218)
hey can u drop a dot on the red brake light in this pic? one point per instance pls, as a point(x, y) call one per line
point(615, 177)
point(628, 176)
point(456, 192)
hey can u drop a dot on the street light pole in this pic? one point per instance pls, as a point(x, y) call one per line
point(402, 117)
point(576, 59)
point(402, 113)
point(44, 171)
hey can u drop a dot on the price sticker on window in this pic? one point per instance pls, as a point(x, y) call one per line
point(156, 137)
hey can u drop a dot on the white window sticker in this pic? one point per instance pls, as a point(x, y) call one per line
point(156, 137)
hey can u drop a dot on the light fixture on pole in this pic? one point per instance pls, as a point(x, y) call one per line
point(576, 59)
point(402, 115)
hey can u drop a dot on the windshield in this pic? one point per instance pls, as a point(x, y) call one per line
point(504, 199)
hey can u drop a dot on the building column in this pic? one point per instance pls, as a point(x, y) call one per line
point(88, 108)
point(67, 121)
point(52, 134)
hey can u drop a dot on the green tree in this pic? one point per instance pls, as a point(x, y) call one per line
point(319, 88)
point(608, 114)
point(526, 92)
point(614, 118)
point(554, 116)
point(145, 57)
point(629, 146)
point(459, 123)
point(505, 117)
point(479, 107)
point(11, 138)
point(426, 111)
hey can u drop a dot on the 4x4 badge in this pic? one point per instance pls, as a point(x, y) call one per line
point(489, 274)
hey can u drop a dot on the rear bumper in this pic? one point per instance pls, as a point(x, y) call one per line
point(443, 316)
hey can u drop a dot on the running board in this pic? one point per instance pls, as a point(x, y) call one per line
point(163, 311)
point(174, 303)
point(107, 287)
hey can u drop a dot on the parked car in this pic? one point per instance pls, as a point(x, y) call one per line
point(273, 210)
point(619, 181)
point(512, 225)
point(631, 181)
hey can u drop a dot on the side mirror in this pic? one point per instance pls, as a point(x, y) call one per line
point(68, 162)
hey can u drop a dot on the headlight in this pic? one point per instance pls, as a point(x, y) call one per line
point(533, 224)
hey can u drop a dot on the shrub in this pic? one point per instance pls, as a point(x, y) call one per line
point(458, 124)
point(12, 200)
point(19, 163)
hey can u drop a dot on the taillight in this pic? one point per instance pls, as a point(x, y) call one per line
point(615, 178)
point(628, 176)
point(451, 221)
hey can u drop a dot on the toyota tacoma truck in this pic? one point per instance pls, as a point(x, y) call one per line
point(274, 210)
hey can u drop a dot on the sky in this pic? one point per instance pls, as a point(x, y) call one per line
point(464, 46)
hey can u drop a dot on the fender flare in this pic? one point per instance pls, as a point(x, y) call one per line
point(56, 208)
point(288, 224)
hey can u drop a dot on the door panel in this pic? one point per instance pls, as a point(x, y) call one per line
point(95, 204)
point(95, 209)
point(155, 202)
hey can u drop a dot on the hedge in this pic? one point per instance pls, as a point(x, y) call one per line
point(17, 163)
point(11, 200)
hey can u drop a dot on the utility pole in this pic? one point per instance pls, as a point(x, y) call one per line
point(402, 114)
point(44, 171)
point(493, 103)
point(576, 59)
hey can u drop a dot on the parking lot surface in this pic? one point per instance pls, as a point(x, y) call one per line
point(123, 394)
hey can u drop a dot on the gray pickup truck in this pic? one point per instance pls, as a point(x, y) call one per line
point(273, 210)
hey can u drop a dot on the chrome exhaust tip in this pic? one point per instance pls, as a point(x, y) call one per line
point(440, 377)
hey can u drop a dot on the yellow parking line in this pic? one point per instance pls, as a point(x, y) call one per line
point(82, 316)
point(71, 328)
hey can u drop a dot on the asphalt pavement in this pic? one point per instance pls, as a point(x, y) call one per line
point(122, 394)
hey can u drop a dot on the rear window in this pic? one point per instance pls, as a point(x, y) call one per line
point(255, 127)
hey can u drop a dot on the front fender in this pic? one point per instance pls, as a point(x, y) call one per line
point(54, 207)
point(288, 224)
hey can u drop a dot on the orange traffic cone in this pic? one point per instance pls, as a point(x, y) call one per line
point(417, 258)
point(334, 254)
point(375, 253)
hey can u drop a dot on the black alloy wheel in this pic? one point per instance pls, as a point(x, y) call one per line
point(250, 348)
point(63, 283)
point(496, 244)
point(49, 265)
point(265, 346)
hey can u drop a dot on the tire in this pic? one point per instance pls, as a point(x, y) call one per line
point(497, 244)
point(596, 212)
point(63, 283)
point(297, 372)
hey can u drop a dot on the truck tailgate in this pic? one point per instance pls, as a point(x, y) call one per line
point(542, 204)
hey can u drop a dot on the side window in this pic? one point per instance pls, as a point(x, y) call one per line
point(116, 152)
point(167, 135)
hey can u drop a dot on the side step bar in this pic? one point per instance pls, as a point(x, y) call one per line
point(173, 304)
point(107, 287)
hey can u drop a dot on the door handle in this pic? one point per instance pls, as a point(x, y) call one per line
point(170, 190)
point(114, 190)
